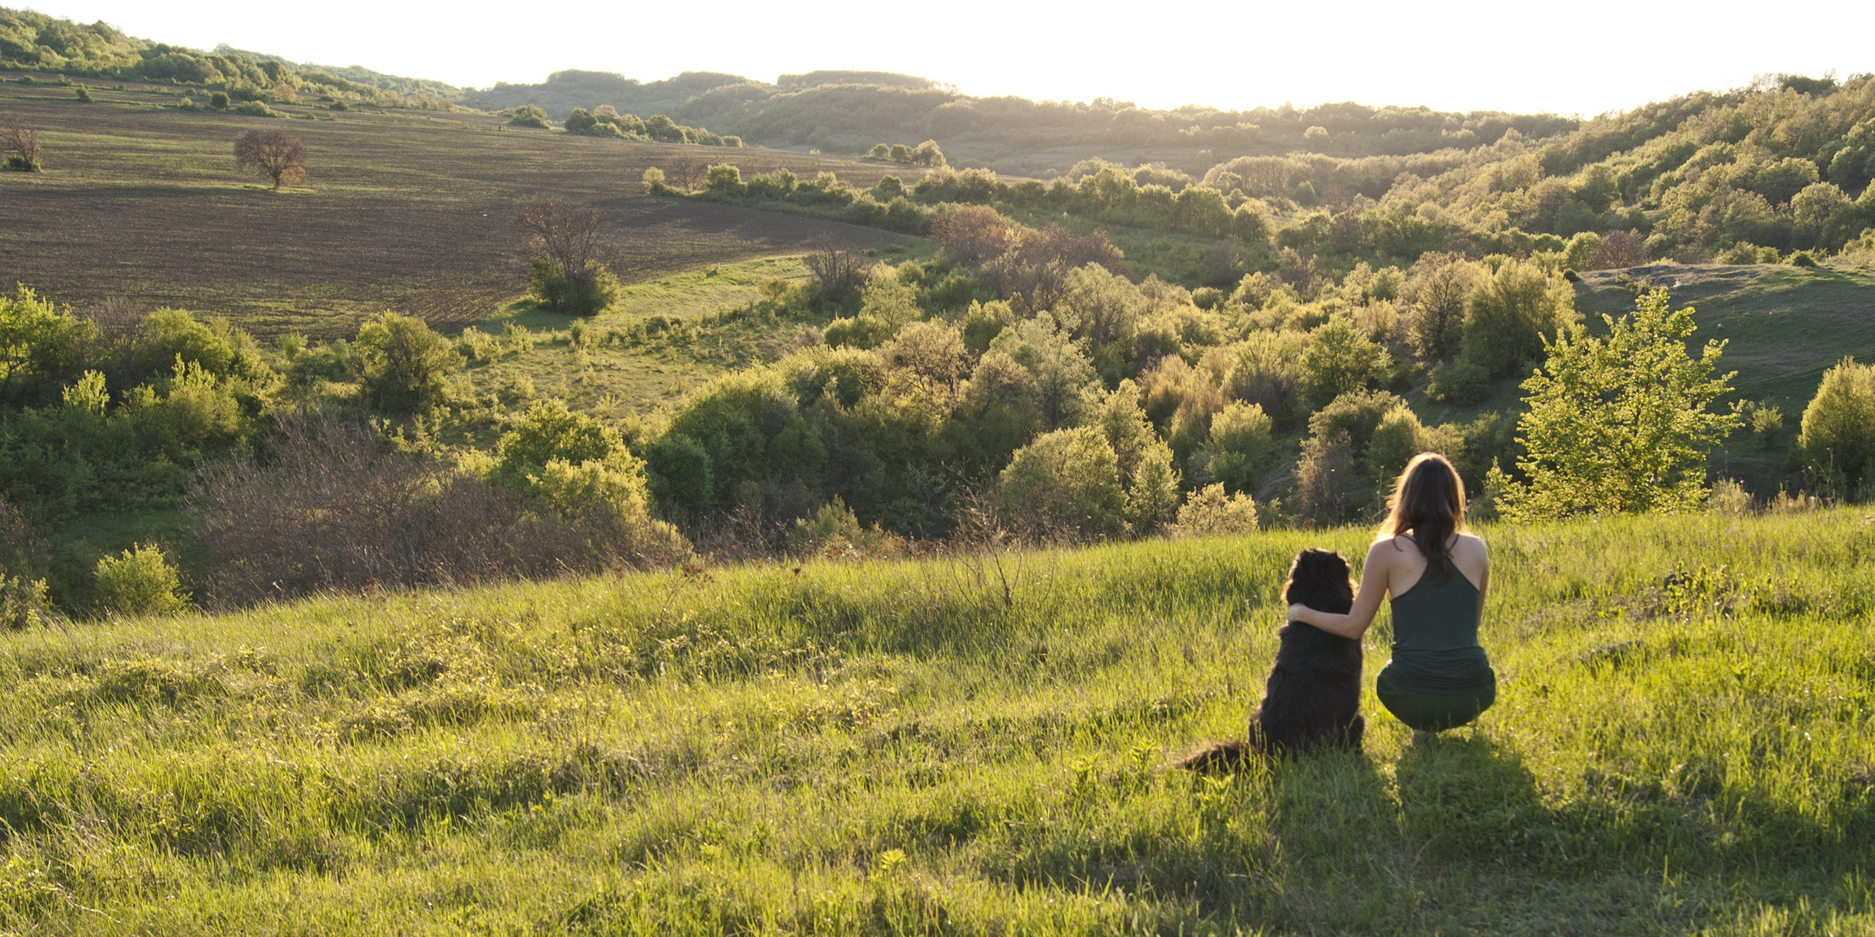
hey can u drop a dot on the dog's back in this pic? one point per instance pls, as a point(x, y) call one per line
point(1313, 694)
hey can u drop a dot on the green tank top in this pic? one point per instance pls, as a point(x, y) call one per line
point(1435, 636)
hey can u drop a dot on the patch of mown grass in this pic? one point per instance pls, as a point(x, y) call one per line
point(877, 747)
point(663, 338)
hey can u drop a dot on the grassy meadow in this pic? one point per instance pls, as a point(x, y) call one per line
point(972, 744)
point(402, 209)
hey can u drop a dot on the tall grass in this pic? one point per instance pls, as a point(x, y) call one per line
point(1682, 744)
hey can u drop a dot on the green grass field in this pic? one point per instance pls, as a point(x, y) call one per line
point(906, 747)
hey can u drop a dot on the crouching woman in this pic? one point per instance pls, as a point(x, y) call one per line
point(1436, 574)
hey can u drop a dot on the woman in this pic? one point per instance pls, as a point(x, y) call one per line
point(1439, 677)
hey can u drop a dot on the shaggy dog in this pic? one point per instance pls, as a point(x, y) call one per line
point(1313, 697)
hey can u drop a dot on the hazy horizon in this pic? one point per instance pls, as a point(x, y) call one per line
point(1461, 56)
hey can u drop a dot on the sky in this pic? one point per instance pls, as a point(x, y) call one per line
point(1585, 58)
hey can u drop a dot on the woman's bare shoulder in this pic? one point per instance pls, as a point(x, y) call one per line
point(1470, 545)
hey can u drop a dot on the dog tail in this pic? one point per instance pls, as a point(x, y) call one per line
point(1227, 757)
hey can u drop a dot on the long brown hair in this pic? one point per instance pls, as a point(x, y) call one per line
point(1429, 500)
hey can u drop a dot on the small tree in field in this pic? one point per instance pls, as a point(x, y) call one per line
point(274, 154)
point(1620, 424)
point(22, 142)
point(568, 277)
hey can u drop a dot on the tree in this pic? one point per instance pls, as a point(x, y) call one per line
point(972, 234)
point(838, 273)
point(1066, 482)
point(21, 141)
point(274, 154)
point(406, 363)
point(1838, 434)
point(1620, 424)
point(1440, 288)
point(686, 172)
point(1512, 316)
point(567, 277)
point(1340, 360)
point(1618, 250)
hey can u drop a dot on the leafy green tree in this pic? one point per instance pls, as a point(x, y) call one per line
point(1620, 424)
point(1837, 439)
point(1065, 483)
point(1060, 368)
point(1513, 315)
point(1145, 460)
point(42, 349)
point(1437, 296)
point(1340, 360)
point(1240, 446)
point(725, 180)
point(406, 364)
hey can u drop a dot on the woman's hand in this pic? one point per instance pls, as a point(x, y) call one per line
point(1298, 612)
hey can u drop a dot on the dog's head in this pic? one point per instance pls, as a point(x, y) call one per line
point(1319, 579)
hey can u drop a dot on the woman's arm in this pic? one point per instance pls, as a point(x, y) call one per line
point(1366, 602)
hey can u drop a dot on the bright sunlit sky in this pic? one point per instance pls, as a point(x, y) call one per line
point(1584, 57)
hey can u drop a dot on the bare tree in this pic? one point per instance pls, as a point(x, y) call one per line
point(566, 232)
point(274, 154)
point(1619, 250)
point(686, 172)
point(116, 317)
point(22, 142)
point(838, 272)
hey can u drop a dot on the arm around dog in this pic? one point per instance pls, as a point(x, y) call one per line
point(1374, 576)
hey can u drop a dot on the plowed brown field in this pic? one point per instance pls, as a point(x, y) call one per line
point(402, 210)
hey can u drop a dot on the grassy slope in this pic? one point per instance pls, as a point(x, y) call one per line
point(885, 747)
point(1784, 326)
point(405, 210)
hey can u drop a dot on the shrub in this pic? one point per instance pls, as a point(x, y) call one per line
point(1766, 422)
point(256, 109)
point(1802, 259)
point(334, 506)
point(406, 363)
point(860, 331)
point(653, 180)
point(1065, 484)
point(1240, 446)
point(1837, 438)
point(140, 581)
point(551, 432)
point(589, 295)
point(725, 180)
point(1340, 360)
point(1511, 314)
point(1209, 512)
point(218, 100)
point(1461, 383)
point(1729, 498)
point(527, 115)
point(84, 94)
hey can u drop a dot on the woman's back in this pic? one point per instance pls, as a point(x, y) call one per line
point(1435, 623)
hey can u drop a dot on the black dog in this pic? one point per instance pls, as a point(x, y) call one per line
point(1313, 696)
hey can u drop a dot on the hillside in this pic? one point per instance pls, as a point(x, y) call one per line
point(404, 210)
point(863, 747)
